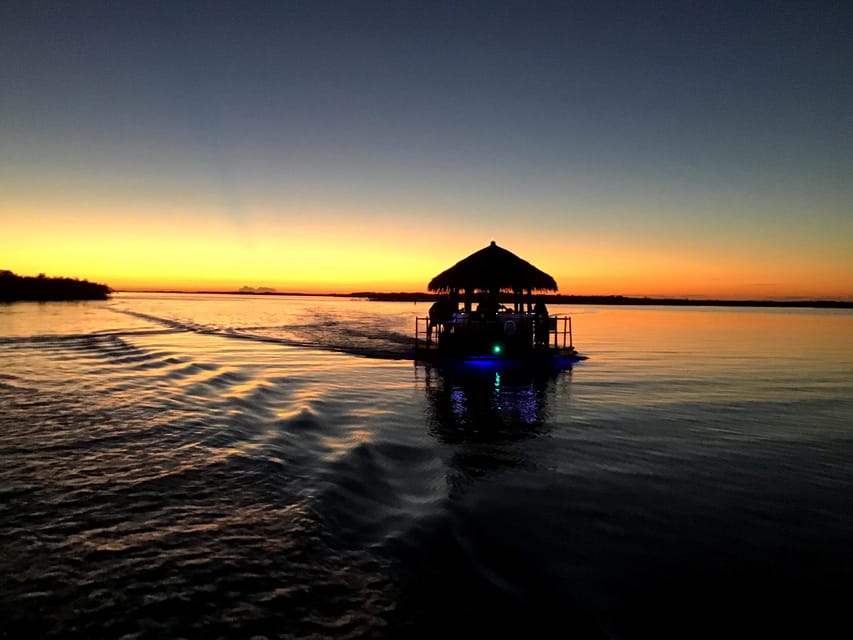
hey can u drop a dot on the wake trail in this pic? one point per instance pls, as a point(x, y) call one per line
point(400, 348)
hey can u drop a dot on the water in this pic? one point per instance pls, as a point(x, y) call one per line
point(226, 466)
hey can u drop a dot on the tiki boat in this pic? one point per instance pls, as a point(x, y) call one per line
point(486, 313)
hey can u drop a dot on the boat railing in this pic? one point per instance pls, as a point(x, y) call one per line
point(559, 330)
point(426, 337)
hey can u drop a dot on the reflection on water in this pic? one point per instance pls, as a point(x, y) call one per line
point(471, 570)
point(484, 412)
point(480, 403)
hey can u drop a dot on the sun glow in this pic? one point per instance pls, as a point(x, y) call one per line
point(328, 250)
point(215, 254)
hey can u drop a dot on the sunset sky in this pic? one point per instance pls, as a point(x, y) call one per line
point(698, 149)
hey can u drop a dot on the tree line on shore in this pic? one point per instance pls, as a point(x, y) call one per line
point(558, 298)
point(42, 288)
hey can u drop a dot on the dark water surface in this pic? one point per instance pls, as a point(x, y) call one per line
point(225, 466)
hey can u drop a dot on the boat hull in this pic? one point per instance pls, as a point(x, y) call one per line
point(535, 358)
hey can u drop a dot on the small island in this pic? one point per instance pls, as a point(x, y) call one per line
point(14, 288)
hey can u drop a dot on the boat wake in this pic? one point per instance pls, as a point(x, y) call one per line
point(366, 338)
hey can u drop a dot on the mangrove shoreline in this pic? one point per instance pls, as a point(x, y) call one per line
point(15, 288)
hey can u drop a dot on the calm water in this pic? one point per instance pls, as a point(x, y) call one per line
point(224, 466)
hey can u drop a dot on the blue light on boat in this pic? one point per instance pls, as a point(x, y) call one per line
point(481, 362)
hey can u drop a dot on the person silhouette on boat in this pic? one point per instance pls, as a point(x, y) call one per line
point(540, 311)
point(487, 309)
point(440, 313)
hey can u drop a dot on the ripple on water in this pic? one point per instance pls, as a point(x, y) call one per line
point(125, 532)
point(192, 480)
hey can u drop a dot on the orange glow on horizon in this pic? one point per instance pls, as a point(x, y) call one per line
point(322, 252)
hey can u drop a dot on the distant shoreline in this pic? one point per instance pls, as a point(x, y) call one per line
point(636, 301)
point(15, 288)
point(547, 298)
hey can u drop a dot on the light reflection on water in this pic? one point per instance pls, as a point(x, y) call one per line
point(234, 465)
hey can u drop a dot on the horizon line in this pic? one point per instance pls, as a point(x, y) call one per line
point(555, 298)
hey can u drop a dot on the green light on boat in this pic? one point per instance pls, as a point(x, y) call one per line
point(496, 349)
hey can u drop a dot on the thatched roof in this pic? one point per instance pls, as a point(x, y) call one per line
point(493, 269)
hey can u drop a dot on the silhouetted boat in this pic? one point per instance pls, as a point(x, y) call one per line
point(507, 325)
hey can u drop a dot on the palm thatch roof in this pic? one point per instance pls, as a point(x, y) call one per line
point(493, 269)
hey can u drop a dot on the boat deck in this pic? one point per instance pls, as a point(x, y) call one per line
point(508, 336)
